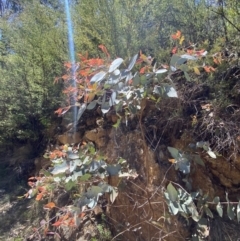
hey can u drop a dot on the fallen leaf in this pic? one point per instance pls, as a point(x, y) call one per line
point(50, 205)
point(39, 196)
point(181, 40)
point(196, 70)
point(172, 161)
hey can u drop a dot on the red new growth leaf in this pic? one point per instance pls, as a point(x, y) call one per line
point(85, 72)
point(142, 70)
point(70, 90)
point(177, 35)
point(209, 69)
point(68, 65)
point(50, 205)
point(57, 224)
point(82, 215)
point(82, 57)
point(104, 49)
point(95, 62)
point(39, 196)
point(65, 77)
point(57, 153)
point(62, 111)
point(174, 50)
point(71, 222)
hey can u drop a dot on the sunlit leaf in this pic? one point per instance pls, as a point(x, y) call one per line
point(112, 98)
point(115, 64)
point(188, 57)
point(81, 111)
point(196, 70)
point(172, 161)
point(73, 156)
point(211, 154)
point(113, 195)
point(132, 62)
point(173, 194)
point(98, 77)
point(230, 212)
point(173, 208)
point(117, 124)
point(181, 40)
point(161, 71)
point(171, 92)
point(60, 168)
point(238, 212)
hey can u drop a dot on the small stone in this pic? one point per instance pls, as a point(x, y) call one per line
point(97, 210)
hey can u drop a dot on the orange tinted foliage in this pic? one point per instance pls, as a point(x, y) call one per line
point(95, 62)
point(39, 196)
point(70, 90)
point(57, 153)
point(174, 50)
point(209, 69)
point(85, 72)
point(65, 77)
point(82, 57)
point(62, 111)
point(104, 49)
point(142, 70)
point(68, 65)
point(177, 35)
point(50, 205)
point(57, 224)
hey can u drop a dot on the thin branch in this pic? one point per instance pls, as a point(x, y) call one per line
point(229, 21)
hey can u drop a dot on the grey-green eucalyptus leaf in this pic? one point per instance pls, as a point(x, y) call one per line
point(173, 194)
point(98, 77)
point(132, 62)
point(115, 64)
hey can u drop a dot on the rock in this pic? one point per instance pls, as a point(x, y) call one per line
point(97, 210)
point(69, 138)
point(99, 136)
